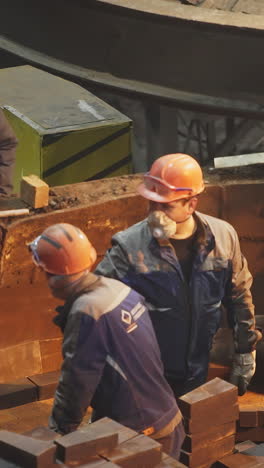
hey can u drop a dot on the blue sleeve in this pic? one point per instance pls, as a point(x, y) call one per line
point(115, 262)
point(238, 301)
point(84, 353)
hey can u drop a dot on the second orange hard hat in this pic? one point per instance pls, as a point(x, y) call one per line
point(63, 249)
point(172, 177)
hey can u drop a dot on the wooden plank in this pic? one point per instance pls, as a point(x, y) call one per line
point(18, 392)
point(227, 414)
point(46, 384)
point(25, 451)
point(239, 160)
point(208, 454)
point(34, 191)
point(206, 399)
point(10, 213)
point(203, 439)
point(79, 446)
point(140, 451)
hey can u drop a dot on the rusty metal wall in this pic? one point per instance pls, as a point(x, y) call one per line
point(30, 340)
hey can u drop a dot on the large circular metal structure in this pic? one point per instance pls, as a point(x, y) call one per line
point(141, 45)
point(204, 60)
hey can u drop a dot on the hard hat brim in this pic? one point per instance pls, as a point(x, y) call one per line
point(154, 196)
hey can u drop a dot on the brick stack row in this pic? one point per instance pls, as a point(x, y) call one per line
point(29, 389)
point(210, 413)
point(103, 444)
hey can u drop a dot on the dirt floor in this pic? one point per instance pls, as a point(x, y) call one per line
point(69, 196)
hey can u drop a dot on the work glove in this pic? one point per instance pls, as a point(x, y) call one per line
point(242, 371)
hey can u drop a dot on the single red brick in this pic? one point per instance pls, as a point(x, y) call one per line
point(16, 393)
point(25, 451)
point(79, 446)
point(205, 400)
point(211, 453)
point(46, 384)
point(136, 452)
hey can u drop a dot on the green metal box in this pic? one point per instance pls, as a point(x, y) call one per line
point(66, 134)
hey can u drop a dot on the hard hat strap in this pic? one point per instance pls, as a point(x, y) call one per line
point(33, 248)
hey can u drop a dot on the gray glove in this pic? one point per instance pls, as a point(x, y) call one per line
point(242, 371)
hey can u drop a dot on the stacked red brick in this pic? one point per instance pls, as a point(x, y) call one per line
point(26, 390)
point(104, 444)
point(251, 423)
point(210, 413)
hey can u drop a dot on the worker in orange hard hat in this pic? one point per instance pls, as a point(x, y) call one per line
point(187, 265)
point(172, 177)
point(100, 319)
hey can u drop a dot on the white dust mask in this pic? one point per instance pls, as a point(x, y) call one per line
point(161, 226)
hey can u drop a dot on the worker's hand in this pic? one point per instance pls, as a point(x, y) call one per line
point(243, 369)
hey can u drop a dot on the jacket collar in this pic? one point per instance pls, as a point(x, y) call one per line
point(86, 283)
point(204, 244)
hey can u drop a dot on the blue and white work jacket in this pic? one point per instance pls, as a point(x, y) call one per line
point(111, 361)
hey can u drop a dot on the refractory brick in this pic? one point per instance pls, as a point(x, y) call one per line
point(79, 446)
point(18, 392)
point(208, 454)
point(26, 451)
point(140, 451)
point(207, 399)
point(46, 384)
point(225, 414)
point(209, 436)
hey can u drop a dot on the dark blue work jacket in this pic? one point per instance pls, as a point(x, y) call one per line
point(187, 316)
point(111, 361)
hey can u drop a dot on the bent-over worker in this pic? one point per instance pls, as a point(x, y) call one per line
point(111, 359)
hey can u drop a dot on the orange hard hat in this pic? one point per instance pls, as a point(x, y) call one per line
point(63, 249)
point(172, 177)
